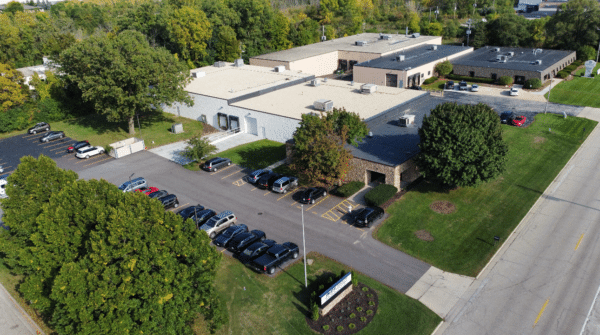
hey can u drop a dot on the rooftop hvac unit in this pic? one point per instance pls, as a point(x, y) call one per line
point(434, 47)
point(406, 120)
point(400, 58)
point(511, 53)
point(177, 128)
point(501, 58)
point(385, 37)
point(415, 35)
point(279, 68)
point(198, 74)
point(323, 105)
point(538, 62)
point(497, 49)
point(220, 64)
point(315, 82)
point(537, 51)
point(368, 88)
point(239, 62)
point(361, 43)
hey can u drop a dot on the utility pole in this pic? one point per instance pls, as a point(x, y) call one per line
point(474, 6)
point(304, 246)
point(437, 11)
point(598, 53)
point(468, 31)
point(455, 11)
point(547, 101)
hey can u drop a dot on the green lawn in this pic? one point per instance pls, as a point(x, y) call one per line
point(437, 85)
point(579, 91)
point(463, 240)
point(255, 155)
point(581, 71)
point(279, 305)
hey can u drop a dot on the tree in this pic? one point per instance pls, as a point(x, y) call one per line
point(319, 154)
point(127, 266)
point(140, 79)
point(509, 30)
point(189, 30)
point(197, 148)
point(226, 45)
point(356, 128)
point(461, 145)
point(443, 68)
point(12, 92)
point(13, 7)
point(479, 35)
point(586, 52)
point(574, 25)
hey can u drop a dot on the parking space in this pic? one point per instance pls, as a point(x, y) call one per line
point(13, 148)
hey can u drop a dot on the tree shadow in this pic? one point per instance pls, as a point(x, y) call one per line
point(260, 158)
point(484, 241)
point(316, 286)
point(100, 124)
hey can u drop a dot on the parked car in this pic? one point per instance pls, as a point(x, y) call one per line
point(283, 184)
point(506, 117)
point(255, 250)
point(366, 216)
point(244, 240)
point(51, 136)
point(415, 87)
point(255, 175)
point(134, 184)
point(275, 256)
point(201, 217)
point(268, 180)
point(88, 152)
point(474, 88)
point(519, 120)
point(78, 145)
point(157, 194)
point(310, 195)
point(228, 234)
point(463, 86)
point(188, 212)
point(169, 200)
point(38, 128)
point(513, 91)
point(147, 190)
point(450, 85)
point(216, 163)
point(218, 223)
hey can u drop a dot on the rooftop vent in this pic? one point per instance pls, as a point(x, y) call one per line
point(415, 35)
point(537, 51)
point(434, 47)
point(385, 37)
point(315, 82)
point(239, 62)
point(220, 64)
point(361, 43)
point(198, 74)
point(279, 68)
point(538, 62)
point(323, 105)
point(501, 58)
point(368, 88)
point(497, 49)
point(400, 58)
point(406, 120)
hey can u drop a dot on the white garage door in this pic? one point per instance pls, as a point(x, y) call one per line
point(251, 126)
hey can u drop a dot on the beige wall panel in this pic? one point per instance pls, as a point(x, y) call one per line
point(319, 65)
point(268, 63)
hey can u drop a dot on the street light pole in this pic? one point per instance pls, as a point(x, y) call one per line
point(598, 53)
point(304, 246)
point(468, 31)
point(547, 101)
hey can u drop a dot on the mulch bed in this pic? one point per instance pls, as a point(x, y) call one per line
point(442, 207)
point(424, 235)
point(340, 314)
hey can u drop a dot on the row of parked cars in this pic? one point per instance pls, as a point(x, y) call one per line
point(462, 86)
point(82, 149)
point(140, 185)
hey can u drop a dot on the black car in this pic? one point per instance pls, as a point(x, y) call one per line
point(216, 163)
point(242, 241)
point(51, 136)
point(463, 86)
point(158, 194)
point(450, 85)
point(188, 212)
point(255, 175)
point(310, 195)
point(77, 145)
point(255, 250)
point(227, 236)
point(169, 200)
point(506, 117)
point(415, 87)
point(202, 216)
point(366, 216)
point(268, 180)
point(38, 128)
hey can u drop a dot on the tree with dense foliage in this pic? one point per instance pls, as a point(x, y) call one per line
point(127, 266)
point(443, 68)
point(574, 25)
point(12, 92)
point(13, 7)
point(319, 154)
point(585, 53)
point(189, 30)
point(509, 30)
point(356, 128)
point(197, 148)
point(461, 145)
point(140, 79)
point(479, 33)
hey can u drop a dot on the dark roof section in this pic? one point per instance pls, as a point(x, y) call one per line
point(391, 144)
point(414, 57)
point(523, 60)
point(537, 14)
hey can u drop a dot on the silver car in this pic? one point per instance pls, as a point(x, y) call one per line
point(218, 223)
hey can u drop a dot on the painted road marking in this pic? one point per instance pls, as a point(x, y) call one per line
point(541, 312)
point(581, 238)
point(174, 208)
point(239, 182)
point(98, 161)
point(268, 192)
point(285, 195)
point(232, 174)
point(225, 169)
point(342, 207)
point(327, 196)
point(254, 189)
point(53, 145)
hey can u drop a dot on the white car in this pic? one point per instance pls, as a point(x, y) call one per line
point(88, 152)
point(474, 88)
point(514, 91)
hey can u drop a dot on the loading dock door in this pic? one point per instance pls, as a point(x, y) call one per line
point(391, 80)
point(251, 126)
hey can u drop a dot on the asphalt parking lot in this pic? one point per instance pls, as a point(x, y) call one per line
point(13, 148)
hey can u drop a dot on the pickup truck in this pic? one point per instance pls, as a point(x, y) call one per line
point(275, 256)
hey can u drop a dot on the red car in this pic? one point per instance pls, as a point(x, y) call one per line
point(519, 120)
point(147, 190)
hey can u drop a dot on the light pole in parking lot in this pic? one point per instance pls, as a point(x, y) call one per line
point(130, 177)
point(304, 246)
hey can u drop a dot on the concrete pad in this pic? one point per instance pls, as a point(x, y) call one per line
point(591, 113)
point(440, 290)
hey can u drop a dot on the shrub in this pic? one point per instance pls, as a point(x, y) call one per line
point(315, 311)
point(340, 328)
point(444, 68)
point(350, 188)
point(326, 327)
point(354, 279)
point(198, 148)
point(430, 80)
point(359, 309)
point(14, 119)
point(369, 312)
point(352, 316)
point(49, 110)
point(533, 83)
point(108, 149)
point(505, 80)
point(363, 319)
point(352, 326)
point(365, 289)
point(369, 296)
point(562, 74)
point(380, 194)
point(586, 52)
point(471, 79)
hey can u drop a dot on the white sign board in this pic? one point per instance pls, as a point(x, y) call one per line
point(333, 290)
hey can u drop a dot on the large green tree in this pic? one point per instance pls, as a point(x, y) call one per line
point(123, 75)
point(356, 129)
point(574, 25)
point(509, 30)
point(11, 91)
point(461, 145)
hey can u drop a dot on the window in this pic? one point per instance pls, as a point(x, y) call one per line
point(429, 73)
point(494, 76)
point(422, 75)
point(471, 73)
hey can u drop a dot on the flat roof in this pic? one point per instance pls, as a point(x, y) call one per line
point(296, 100)
point(229, 81)
point(414, 57)
point(523, 59)
point(374, 45)
point(391, 144)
